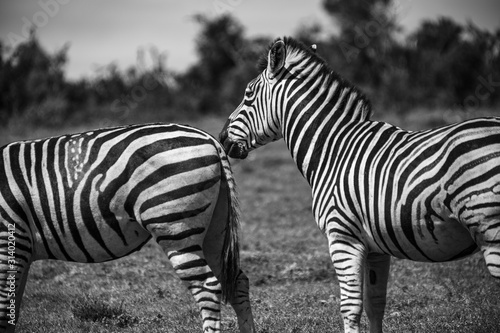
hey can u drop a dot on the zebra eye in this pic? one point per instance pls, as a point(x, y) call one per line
point(248, 93)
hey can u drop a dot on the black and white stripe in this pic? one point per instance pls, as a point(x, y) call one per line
point(100, 195)
point(378, 191)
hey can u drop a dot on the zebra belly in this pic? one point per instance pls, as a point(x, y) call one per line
point(441, 240)
point(432, 234)
point(92, 241)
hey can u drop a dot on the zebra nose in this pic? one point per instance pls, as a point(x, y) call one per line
point(235, 149)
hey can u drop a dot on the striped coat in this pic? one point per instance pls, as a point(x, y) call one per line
point(100, 195)
point(378, 190)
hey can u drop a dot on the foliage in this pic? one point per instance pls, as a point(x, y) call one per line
point(226, 63)
point(443, 64)
point(31, 79)
point(366, 34)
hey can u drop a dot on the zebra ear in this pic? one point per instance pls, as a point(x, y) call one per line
point(276, 58)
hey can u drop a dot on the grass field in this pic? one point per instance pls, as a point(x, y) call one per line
point(294, 288)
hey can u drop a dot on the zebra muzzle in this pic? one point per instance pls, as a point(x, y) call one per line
point(235, 149)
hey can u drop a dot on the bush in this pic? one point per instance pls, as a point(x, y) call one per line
point(51, 112)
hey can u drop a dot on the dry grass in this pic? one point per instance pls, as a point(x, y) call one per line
point(294, 288)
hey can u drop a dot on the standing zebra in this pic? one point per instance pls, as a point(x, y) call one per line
point(378, 191)
point(100, 195)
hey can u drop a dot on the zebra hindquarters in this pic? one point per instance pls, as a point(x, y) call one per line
point(178, 213)
point(15, 260)
point(180, 231)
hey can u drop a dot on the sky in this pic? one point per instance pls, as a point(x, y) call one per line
point(103, 31)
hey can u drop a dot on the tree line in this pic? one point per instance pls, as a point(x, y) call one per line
point(443, 64)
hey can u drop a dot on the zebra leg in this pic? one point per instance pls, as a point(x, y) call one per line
point(212, 248)
point(489, 242)
point(485, 232)
point(241, 300)
point(490, 245)
point(192, 268)
point(375, 289)
point(241, 304)
point(480, 214)
point(348, 258)
point(13, 281)
point(492, 258)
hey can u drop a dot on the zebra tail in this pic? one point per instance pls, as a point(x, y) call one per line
point(230, 251)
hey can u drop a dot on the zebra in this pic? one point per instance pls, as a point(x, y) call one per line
point(378, 190)
point(103, 194)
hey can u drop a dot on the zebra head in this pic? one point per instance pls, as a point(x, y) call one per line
point(256, 121)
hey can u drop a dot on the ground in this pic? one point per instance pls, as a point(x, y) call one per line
point(293, 285)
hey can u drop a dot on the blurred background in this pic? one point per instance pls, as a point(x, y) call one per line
point(83, 64)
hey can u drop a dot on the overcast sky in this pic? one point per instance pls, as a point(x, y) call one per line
point(103, 31)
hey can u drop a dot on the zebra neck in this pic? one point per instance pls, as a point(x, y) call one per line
point(309, 122)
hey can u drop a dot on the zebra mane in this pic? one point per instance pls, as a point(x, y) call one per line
point(301, 52)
